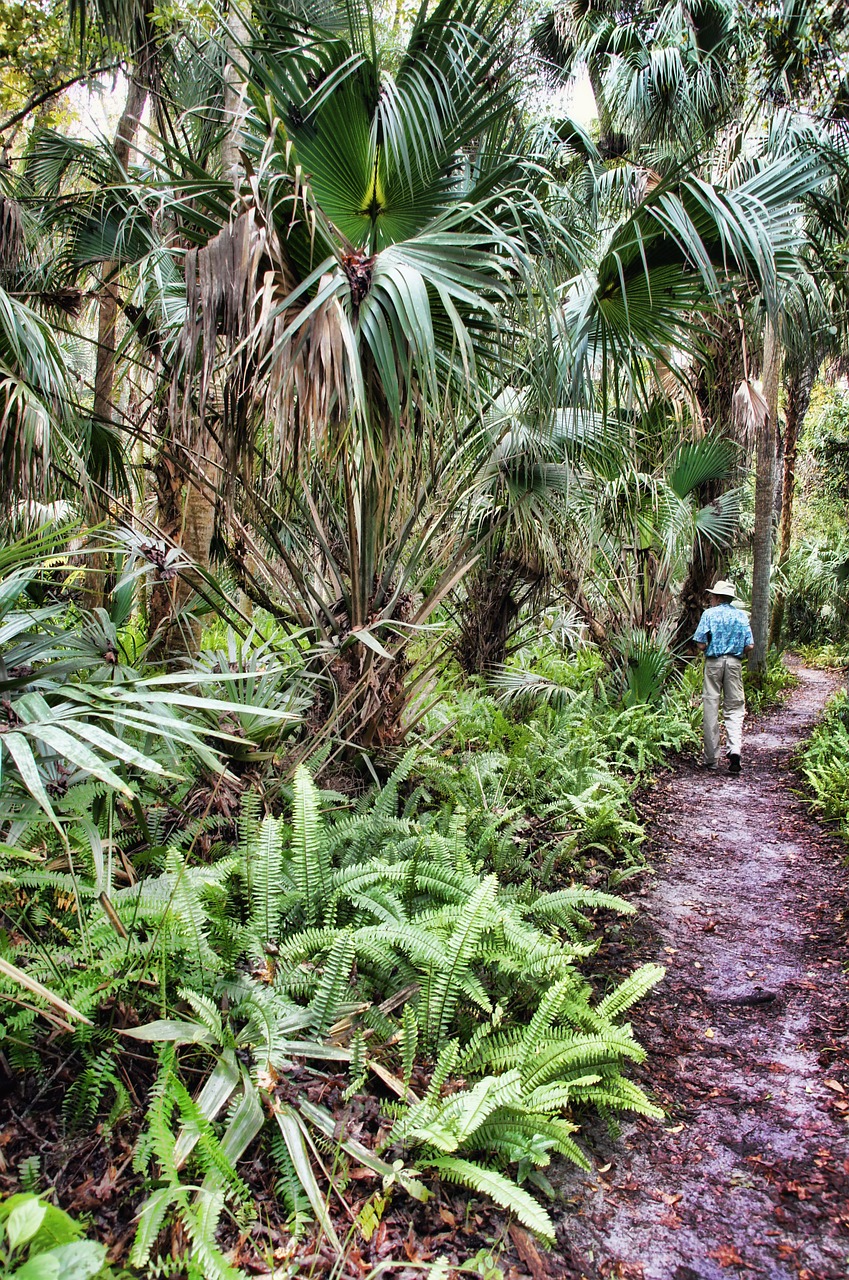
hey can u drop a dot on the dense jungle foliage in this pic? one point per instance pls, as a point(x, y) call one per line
point(371, 429)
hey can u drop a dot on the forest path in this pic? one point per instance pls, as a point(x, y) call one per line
point(746, 1038)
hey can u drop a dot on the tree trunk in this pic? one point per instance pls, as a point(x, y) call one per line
point(798, 388)
point(104, 373)
point(107, 323)
point(186, 505)
point(762, 538)
point(238, 36)
point(485, 618)
point(718, 379)
point(188, 471)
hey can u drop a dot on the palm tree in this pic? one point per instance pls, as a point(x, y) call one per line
point(665, 77)
point(343, 331)
point(672, 76)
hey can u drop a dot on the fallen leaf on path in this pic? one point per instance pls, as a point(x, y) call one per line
point(835, 1085)
point(622, 1271)
point(709, 1033)
point(528, 1252)
point(727, 1256)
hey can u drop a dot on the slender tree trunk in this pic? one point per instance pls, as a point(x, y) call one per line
point(104, 373)
point(610, 143)
point(798, 390)
point(107, 324)
point(764, 502)
point(238, 37)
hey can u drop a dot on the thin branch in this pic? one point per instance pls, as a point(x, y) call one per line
point(41, 98)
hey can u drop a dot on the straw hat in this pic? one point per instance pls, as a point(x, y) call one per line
point(723, 588)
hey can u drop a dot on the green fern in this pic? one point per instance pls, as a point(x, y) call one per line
point(333, 983)
point(310, 855)
point(497, 1188)
point(262, 849)
point(634, 987)
point(441, 988)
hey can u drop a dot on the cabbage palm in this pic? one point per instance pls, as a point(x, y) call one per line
point(665, 77)
point(343, 332)
point(674, 75)
point(658, 261)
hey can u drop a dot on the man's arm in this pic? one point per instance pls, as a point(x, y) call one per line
point(702, 635)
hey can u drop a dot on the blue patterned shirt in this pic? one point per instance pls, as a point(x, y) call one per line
point(725, 629)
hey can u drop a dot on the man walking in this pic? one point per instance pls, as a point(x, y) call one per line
point(724, 636)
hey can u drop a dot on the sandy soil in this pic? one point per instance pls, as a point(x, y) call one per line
point(747, 1038)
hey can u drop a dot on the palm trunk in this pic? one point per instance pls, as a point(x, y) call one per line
point(104, 373)
point(719, 376)
point(188, 476)
point(798, 391)
point(237, 37)
point(186, 506)
point(762, 539)
point(486, 616)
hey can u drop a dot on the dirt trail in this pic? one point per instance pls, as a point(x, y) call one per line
point(746, 1038)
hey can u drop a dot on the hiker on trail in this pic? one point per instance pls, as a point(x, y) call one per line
point(724, 636)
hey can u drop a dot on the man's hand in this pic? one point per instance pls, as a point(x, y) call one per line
point(748, 649)
point(701, 645)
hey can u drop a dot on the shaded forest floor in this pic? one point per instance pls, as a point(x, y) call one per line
point(747, 1052)
point(746, 1038)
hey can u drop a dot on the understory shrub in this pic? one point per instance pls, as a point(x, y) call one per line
point(776, 681)
point(424, 943)
point(824, 761)
point(827, 656)
point(547, 761)
point(376, 939)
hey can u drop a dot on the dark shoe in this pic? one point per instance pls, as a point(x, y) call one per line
point(707, 764)
point(734, 764)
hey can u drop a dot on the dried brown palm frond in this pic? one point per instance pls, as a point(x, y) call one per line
point(749, 412)
point(279, 351)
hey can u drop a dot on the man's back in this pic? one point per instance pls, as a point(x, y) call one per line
point(728, 629)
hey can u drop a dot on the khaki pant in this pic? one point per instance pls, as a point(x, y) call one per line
point(723, 676)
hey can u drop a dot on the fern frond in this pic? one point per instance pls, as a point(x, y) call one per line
point(498, 1188)
point(440, 989)
point(333, 983)
point(266, 883)
point(310, 857)
point(635, 986)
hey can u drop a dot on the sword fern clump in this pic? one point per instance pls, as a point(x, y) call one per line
point(378, 942)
